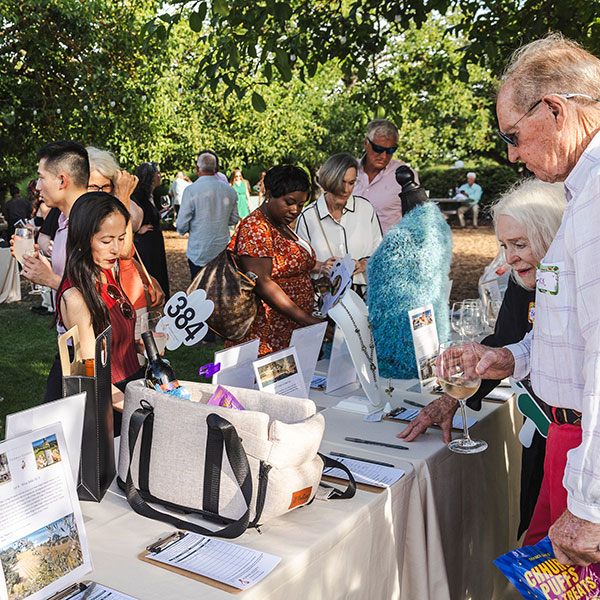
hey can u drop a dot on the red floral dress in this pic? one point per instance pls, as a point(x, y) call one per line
point(292, 264)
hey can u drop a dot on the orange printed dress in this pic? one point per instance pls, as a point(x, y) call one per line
point(292, 264)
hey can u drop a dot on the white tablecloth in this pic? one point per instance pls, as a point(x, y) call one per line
point(432, 535)
point(10, 285)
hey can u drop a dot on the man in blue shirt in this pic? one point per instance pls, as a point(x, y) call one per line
point(472, 191)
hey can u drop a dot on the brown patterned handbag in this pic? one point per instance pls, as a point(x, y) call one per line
point(232, 293)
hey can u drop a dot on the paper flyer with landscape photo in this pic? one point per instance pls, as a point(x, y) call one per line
point(43, 548)
point(426, 344)
point(280, 373)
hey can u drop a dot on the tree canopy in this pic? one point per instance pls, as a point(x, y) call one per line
point(262, 82)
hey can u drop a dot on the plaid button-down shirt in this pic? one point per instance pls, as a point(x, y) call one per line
point(563, 350)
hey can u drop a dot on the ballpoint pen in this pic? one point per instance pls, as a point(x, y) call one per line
point(369, 460)
point(413, 403)
point(373, 443)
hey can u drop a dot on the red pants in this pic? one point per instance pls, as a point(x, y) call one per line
point(552, 501)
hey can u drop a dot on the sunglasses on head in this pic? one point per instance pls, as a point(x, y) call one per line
point(380, 149)
point(115, 293)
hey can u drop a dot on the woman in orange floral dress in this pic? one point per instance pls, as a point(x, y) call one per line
point(265, 245)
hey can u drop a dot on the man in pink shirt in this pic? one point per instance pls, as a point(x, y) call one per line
point(376, 178)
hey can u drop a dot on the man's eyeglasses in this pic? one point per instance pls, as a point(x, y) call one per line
point(380, 149)
point(512, 139)
point(115, 293)
point(107, 187)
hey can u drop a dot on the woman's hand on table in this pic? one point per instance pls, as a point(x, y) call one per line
point(440, 411)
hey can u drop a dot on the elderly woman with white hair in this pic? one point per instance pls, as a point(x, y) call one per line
point(338, 222)
point(526, 220)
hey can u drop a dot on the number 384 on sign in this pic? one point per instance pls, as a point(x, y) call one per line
point(184, 321)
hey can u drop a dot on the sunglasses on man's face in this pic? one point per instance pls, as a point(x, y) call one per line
point(380, 149)
point(126, 309)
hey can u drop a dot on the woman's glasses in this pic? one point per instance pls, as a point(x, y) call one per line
point(116, 294)
point(107, 187)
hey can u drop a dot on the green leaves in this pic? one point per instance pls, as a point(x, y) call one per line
point(258, 102)
point(196, 18)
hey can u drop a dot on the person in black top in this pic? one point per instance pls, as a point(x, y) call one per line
point(526, 220)
point(17, 208)
point(148, 239)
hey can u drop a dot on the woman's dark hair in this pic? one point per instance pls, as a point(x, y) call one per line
point(85, 219)
point(145, 173)
point(285, 179)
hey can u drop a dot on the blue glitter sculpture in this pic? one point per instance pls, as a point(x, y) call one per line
point(408, 270)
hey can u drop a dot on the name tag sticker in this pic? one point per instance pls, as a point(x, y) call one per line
point(547, 279)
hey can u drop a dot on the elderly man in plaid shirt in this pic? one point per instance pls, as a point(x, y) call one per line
point(549, 115)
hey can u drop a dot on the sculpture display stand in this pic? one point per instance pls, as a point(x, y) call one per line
point(350, 314)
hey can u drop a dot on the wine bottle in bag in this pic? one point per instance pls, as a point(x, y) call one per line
point(159, 373)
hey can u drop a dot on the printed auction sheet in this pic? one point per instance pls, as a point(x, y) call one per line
point(366, 472)
point(43, 547)
point(228, 563)
point(95, 591)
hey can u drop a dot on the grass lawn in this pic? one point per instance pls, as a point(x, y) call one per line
point(27, 350)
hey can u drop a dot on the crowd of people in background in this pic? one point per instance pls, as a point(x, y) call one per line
point(100, 239)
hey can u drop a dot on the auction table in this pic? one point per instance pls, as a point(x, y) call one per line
point(433, 535)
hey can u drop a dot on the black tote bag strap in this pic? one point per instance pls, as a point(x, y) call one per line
point(350, 490)
point(218, 428)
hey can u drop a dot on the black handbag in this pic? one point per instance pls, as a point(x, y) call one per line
point(97, 460)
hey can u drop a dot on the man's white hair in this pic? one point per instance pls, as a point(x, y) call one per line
point(552, 65)
point(471, 174)
point(206, 163)
point(382, 127)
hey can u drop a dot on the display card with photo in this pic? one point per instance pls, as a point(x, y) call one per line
point(43, 547)
point(280, 373)
point(426, 344)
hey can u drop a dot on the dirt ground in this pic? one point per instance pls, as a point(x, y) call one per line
point(473, 249)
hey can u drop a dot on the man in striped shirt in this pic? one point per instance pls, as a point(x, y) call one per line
point(549, 115)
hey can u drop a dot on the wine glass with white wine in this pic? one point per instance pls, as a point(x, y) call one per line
point(456, 374)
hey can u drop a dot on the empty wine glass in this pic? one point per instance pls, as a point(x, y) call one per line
point(455, 317)
point(471, 323)
point(455, 370)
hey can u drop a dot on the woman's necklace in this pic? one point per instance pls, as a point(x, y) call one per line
point(370, 355)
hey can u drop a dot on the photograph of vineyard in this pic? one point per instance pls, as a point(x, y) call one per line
point(40, 558)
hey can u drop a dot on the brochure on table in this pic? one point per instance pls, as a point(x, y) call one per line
point(426, 344)
point(280, 373)
point(41, 526)
point(307, 341)
point(68, 411)
point(236, 365)
point(350, 314)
